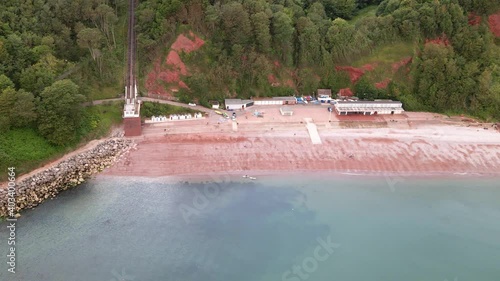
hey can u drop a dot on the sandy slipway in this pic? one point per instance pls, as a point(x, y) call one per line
point(71, 172)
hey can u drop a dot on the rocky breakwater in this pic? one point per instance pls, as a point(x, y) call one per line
point(71, 172)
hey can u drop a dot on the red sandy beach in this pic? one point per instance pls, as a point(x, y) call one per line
point(413, 143)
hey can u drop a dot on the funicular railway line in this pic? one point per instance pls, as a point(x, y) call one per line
point(131, 110)
point(130, 76)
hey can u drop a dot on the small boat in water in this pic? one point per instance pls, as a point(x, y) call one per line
point(252, 178)
point(245, 176)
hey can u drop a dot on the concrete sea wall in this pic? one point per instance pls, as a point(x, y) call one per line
point(73, 171)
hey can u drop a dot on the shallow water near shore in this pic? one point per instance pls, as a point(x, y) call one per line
point(274, 228)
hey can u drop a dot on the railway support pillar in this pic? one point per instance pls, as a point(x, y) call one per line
point(132, 126)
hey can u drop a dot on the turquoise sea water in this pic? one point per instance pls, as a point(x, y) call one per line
point(275, 228)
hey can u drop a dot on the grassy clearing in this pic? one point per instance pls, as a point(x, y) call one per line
point(383, 57)
point(25, 150)
point(149, 109)
point(390, 53)
point(100, 119)
point(365, 12)
point(101, 93)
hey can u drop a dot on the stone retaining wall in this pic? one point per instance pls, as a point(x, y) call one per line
point(73, 171)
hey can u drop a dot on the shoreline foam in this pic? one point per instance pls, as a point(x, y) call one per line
point(413, 145)
point(260, 174)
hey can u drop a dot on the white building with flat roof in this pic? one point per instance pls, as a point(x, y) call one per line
point(234, 104)
point(286, 111)
point(324, 95)
point(275, 101)
point(368, 107)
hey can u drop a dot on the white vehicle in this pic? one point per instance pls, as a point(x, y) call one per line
point(192, 104)
point(324, 98)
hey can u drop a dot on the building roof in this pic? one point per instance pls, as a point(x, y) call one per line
point(237, 101)
point(324, 92)
point(364, 106)
point(366, 109)
point(233, 101)
point(370, 102)
point(285, 98)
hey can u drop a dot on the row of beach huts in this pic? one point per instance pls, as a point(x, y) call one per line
point(173, 117)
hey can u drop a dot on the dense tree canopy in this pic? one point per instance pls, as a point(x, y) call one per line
point(302, 41)
point(60, 112)
point(44, 41)
point(253, 48)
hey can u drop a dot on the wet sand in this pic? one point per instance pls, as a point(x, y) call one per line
point(414, 143)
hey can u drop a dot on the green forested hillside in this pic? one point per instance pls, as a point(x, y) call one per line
point(305, 40)
point(54, 55)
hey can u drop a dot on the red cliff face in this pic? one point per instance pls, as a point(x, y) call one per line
point(354, 73)
point(173, 68)
point(474, 19)
point(397, 65)
point(439, 41)
point(184, 44)
point(383, 84)
point(494, 23)
point(346, 92)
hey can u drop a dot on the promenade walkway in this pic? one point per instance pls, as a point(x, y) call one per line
point(313, 131)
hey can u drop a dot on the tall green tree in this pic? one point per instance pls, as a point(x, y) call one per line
point(306, 80)
point(104, 18)
point(17, 108)
point(340, 8)
point(344, 41)
point(23, 111)
point(212, 16)
point(60, 112)
point(261, 24)
point(436, 74)
point(91, 39)
point(479, 6)
point(309, 42)
point(18, 56)
point(42, 74)
point(7, 99)
point(282, 33)
point(5, 82)
point(364, 89)
point(236, 24)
